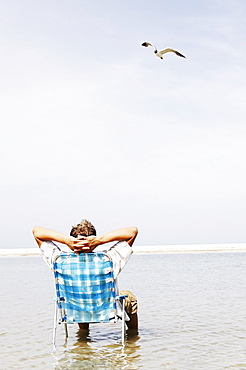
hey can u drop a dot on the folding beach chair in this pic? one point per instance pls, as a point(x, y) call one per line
point(85, 291)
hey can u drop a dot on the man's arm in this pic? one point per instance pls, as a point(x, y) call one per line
point(84, 244)
point(127, 234)
point(42, 234)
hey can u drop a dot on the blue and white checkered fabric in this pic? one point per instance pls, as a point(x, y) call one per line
point(85, 287)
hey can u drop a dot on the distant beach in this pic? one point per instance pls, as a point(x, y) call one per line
point(180, 248)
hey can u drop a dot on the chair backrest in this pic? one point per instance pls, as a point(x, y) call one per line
point(85, 286)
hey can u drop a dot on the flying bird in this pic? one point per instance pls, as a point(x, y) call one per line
point(160, 53)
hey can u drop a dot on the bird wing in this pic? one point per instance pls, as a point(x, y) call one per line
point(146, 44)
point(168, 50)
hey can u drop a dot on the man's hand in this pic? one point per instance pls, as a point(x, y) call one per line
point(81, 244)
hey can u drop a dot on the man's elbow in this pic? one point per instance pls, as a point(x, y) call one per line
point(36, 234)
point(36, 231)
point(134, 231)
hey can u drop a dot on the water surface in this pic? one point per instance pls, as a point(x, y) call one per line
point(192, 314)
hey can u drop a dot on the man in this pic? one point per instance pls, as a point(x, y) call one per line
point(83, 239)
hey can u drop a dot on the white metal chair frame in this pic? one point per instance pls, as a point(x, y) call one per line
point(63, 317)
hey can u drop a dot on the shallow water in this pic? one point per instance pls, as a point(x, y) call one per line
point(192, 315)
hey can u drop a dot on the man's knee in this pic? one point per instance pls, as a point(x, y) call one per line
point(131, 304)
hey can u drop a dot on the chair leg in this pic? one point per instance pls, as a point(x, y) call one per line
point(123, 328)
point(55, 324)
point(66, 329)
point(65, 323)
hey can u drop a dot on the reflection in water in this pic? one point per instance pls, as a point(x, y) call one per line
point(87, 353)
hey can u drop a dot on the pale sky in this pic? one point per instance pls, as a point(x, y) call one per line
point(95, 126)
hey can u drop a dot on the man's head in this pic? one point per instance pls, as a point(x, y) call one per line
point(84, 228)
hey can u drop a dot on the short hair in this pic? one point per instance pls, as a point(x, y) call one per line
point(84, 228)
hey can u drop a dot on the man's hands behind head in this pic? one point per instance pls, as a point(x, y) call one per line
point(82, 244)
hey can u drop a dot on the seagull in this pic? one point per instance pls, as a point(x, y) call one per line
point(161, 52)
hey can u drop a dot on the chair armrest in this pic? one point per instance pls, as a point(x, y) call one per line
point(121, 297)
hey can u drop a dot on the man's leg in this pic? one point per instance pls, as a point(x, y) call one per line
point(83, 326)
point(131, 308)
